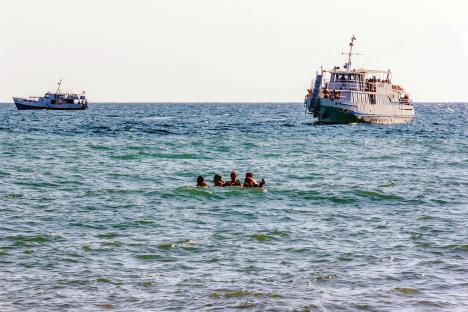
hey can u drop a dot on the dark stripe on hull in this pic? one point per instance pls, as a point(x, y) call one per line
point(27, 107)
point(23, 107)
point(333, 115)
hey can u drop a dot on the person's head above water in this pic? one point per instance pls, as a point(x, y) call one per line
point(218, 180)
point(234, 181)
point(201, 182)
point(248, 182)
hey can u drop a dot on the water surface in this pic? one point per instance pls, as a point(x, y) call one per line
point(98, 210)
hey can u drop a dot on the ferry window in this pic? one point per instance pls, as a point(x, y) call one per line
point(332, 79)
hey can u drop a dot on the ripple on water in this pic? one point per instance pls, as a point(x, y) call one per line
point(379, 196)
point(270, 235)
point(29, 240)
point(181, 243)
point(406, 290)
point(241, 293)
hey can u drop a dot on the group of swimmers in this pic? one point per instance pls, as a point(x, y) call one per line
point(249, 181)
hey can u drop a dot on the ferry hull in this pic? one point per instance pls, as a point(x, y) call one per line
point(330, 112)
point(333, 115)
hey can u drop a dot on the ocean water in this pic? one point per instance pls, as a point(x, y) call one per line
point(98, 210)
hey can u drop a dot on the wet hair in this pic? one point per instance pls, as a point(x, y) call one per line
point(249, 175)
point(216, 177)
point(200, 180)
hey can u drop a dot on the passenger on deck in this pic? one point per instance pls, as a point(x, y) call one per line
point(234, 181)
point(218, 180)
point(325, 93)
point(405, 99)
point(250, 181)
point(201, 182)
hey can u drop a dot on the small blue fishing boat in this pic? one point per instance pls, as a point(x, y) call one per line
point(53, 101)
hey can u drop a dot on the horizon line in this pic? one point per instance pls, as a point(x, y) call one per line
point(242, 102)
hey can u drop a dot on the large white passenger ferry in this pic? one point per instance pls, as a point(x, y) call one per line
point(347, 95)
point(53, 101)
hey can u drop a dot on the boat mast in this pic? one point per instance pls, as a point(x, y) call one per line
point(58, 87)
point(351, 44)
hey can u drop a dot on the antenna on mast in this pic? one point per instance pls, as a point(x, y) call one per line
point(350, 53)
point(58, 87)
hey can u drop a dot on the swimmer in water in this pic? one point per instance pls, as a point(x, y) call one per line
point(234, 181)
point(250, 181)
point(201, 182)
point(218, 180)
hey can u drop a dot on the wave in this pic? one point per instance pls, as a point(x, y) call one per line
point(241, 293)
point(142, 155)
point(28, 240)
point(406, 290)
point(374, 195)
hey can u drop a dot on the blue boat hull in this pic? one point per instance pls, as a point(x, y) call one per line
point(28, 107)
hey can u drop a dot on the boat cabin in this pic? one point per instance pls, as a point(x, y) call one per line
point(63, 98)
point(342, 84)
point(356, 80)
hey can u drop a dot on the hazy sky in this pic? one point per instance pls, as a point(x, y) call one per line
point(226, 50)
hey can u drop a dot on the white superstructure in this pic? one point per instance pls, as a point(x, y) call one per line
point(345, 95)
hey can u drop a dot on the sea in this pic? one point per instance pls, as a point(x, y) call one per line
point(99, 210)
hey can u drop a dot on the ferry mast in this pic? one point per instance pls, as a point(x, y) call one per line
point(59, 84)
point(351, 44)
